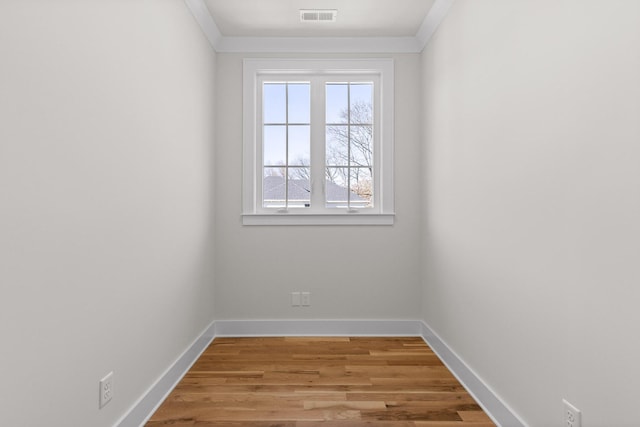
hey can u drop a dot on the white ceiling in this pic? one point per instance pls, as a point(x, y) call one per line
point(356, 18)
point(363, 26)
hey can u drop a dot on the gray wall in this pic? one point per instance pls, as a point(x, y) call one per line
point(106, 164)
point(532, 201)
point(353, 272)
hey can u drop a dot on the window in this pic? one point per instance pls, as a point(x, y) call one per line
point(318, 142)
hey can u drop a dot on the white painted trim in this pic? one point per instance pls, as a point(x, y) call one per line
point(328, 219)
point(202, 15)
point(280, 328)
point(142, 410)
point(319, 45)
point(432, 21)
point(383, 211)
point(415, 44)
point(499, 411)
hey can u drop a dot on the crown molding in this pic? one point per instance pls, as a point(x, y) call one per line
point(415, 44)
point(432, 21)
point(318, 44)
point(201, 13)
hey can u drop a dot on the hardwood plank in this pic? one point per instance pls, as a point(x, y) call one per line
point(474, 416)
point(307, 340)
point(352, 404)
point(452, 424)
point(400, 371)
point(355, 423)
point(408, 396)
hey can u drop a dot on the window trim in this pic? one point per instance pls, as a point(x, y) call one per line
point(253, 70)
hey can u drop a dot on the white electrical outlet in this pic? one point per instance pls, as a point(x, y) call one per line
point(305, 299)
point(106, 389)
point(295, 299)
point(571, 415)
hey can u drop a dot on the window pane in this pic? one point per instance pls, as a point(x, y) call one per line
point(336, 191)
point(299, 188)
point(336, 146)
point(361, 187)
point(336, 102)
point(275, 145)
point(299, 103)
point(273, 188)
point(361, 145)
point(274, 103)
point(299, 145)
point(275, 193)
point(341, 179)
point(361, 103)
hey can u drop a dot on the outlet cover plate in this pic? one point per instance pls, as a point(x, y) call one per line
point(572, 415)
point(295, 299)
point(106, 389)
point(305, 299)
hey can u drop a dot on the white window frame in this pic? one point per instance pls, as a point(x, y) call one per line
point(254, 72)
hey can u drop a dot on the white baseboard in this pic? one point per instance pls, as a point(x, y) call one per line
point(142, 410)
point(488, 400)
point(149, 403)
point(265, 328)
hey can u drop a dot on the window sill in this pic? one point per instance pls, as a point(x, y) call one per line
point(318, 219)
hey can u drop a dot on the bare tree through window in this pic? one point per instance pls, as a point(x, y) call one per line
point(349, 150)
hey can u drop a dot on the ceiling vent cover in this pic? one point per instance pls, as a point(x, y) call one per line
point(318, 15)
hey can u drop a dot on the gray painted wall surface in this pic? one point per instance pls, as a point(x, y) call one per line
point(531, 202)
point(106, 206)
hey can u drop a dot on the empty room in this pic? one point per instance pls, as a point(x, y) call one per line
point(298, 213)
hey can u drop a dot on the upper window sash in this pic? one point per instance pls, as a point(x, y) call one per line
point(318, 73)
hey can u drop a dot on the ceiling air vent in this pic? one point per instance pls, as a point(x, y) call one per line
point(318, 15)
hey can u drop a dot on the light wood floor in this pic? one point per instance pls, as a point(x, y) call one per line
point(307, 382)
